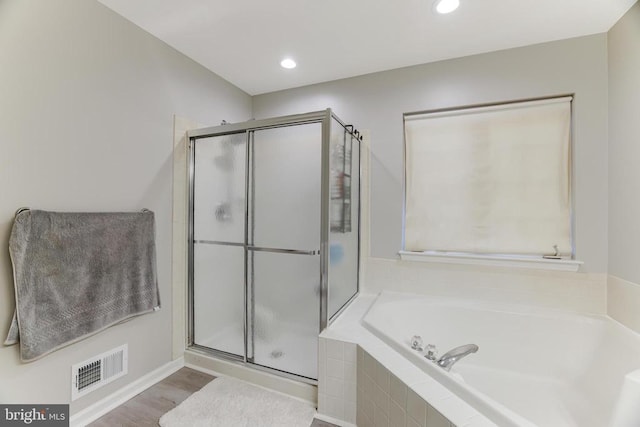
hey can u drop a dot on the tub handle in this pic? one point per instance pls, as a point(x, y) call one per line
point(416, 342)
point(432, 352)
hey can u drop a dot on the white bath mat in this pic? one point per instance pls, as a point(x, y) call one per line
point(228, 402)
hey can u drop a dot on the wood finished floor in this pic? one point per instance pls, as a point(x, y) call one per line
point(146, 408)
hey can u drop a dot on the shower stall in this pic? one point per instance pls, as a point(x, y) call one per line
point(273, 237)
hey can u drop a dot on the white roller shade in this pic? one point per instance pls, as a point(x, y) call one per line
point(490, 180)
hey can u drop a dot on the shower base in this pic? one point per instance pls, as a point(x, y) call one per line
point(292, 349)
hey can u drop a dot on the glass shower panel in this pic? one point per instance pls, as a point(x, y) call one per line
point(344, 193)
point(218, 297)
point(219, 185)
point(285, 187)
point(219, 235)
point(284, 230)
point(286, 291)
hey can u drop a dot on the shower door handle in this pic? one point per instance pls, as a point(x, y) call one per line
point(283, 251)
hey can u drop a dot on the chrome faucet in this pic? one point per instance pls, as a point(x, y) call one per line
point(452, 356)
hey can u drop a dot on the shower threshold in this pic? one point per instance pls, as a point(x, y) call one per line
point(292, 350)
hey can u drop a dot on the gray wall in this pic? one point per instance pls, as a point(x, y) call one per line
point(86, 124)
point(377, 101)
point(624, 146)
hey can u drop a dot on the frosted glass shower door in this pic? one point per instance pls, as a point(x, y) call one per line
point(218, 243)
point(284, 248)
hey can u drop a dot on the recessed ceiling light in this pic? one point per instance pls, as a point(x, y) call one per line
point(446, 6)
point(288, 63)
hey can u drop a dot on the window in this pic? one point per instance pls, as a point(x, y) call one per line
point(490, 180)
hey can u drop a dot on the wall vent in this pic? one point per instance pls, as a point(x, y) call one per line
point(98, 371)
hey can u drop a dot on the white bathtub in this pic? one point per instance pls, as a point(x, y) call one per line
point(534, 366)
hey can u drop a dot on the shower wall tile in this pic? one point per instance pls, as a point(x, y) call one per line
point(622, 302)
point(381, 377)
point(380, 418)
point(335, 368)
point(397, 390)
point(350, 353)
point(337, 375)
point(365, 408)
point(381, 399)
point(335, 349)
point(350, 384)
point(350, 410)
point(369, 365)
point(350, 391)
point(350, 372)
point(335, 407)
point(322, 401)
point(397, 415)
point(322, 367)
point(369, 383)
point(335, 388)
point(416, 408)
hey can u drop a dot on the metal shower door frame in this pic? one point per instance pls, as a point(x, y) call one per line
point(324, 117)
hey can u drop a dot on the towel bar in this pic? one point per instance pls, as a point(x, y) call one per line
point(24, 209)
point(19, 211)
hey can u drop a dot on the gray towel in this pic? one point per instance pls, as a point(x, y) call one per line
point(76, 274)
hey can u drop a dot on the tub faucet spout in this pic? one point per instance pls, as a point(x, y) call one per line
point(451, 357)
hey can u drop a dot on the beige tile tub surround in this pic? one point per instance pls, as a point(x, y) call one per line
point(578, 292)
point(337, 380)
point(384, 400)
point(623, 300)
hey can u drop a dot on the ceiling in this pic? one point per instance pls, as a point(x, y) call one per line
point(244, 41)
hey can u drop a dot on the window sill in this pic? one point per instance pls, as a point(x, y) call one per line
point(494, 261)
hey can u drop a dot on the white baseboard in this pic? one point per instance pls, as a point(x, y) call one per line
point(101, 407)
point(335, 421)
